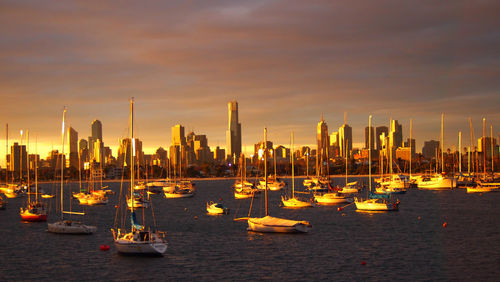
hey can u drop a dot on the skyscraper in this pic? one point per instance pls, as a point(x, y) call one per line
point(233, 134)
point(378, 133)
point(72, 160)
point(83, 147)
point(97, 129)
point(16, 159)
point(96, 138)
point(322, 139)
point(125, 152)
point(345, 140)
point(430, 149)
point(177, 150)
point(178, 137)
point(396, 135)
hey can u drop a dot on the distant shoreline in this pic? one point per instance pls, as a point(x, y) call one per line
point(221, 178)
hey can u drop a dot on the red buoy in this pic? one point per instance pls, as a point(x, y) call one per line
point(104, 248)
point(363, 263)
point(445, 224)
point(340, 208)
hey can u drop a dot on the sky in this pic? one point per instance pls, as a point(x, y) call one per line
point(287, 63)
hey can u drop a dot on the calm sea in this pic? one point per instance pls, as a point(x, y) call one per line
point(410, 244)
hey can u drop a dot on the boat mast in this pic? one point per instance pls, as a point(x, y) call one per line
point(274, 155)
point(483, 145)
point(28, 163)
point(132, 162)
point(471, 143)
point(370, 152)
point(36, 169)
point(345, 144)
point(411, 130)
point(442, 143)
point(21, 159)
point(265, 164)
point(492, 153)
point(6, 152)
point(241, 169)
point(390, 148)
point(293, 170)
point(307, 164)
point(62, 165)
point(460, 152)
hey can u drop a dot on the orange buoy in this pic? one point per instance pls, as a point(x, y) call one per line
point(195, 217)
point(116, 206)
point(340, 208)
point(104, 248)
point(445, 224)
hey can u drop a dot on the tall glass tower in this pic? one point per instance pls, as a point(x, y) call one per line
point(233, 134)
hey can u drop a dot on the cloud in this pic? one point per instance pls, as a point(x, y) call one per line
point(286, 62)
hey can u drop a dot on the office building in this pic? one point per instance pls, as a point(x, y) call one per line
point(233, 134)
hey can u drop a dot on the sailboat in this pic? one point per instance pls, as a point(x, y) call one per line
point(273, 182)
point(68, 226)
point(10, 190)
point(374, 202)
point(137, 197)
point(333, 196)
point(95, 195)
point(216, 208)
point(139, 241)
point(438, 181)
point(34, 211)
point(180, 188)
point(244, 189)
point(293, 202)
point(274, 224)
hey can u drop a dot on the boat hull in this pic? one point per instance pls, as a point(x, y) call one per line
point(33, 217)
point(69, 227)
point(481, 189)
point(140, 248)
point(437, 184)
point(258, 225)
point(330, 199)
point(244, 195)
point(131, 243)
point(178, 195)
point(294, 203)
point(376, 206)
point(213, 209)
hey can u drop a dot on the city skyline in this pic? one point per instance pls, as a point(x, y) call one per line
point(286, 65)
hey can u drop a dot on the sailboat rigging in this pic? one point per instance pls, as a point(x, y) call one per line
point(68, 226)
point(274, 224)
point(139, 240)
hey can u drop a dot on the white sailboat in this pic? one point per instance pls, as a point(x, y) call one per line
point(293, 202)
point(334, 196)
point(216, 208)
point(438, 181)
point(139, 240)
point(274, 224)
point(65, 226)
point(374, 202)
point(244, 189)
point(180, 188)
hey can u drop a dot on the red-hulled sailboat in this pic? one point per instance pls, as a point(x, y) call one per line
point(34, 211)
